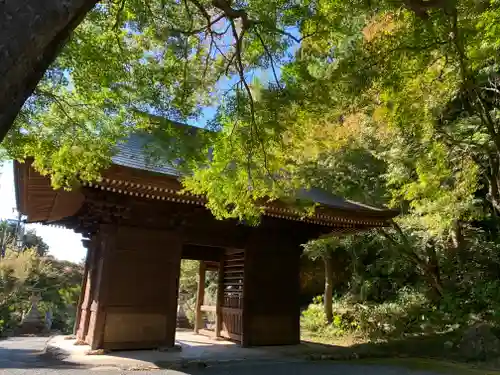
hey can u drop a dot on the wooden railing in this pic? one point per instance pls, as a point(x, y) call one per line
point(232, 325)
point(208, 318)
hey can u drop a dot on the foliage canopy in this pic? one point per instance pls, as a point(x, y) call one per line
point(379, 101)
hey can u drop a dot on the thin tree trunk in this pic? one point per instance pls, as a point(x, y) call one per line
point(32, 33)
point(433, 272)
point(429, 269)
point(459, 242)
point(492, 177)
point(328, 288)
point(457, 237)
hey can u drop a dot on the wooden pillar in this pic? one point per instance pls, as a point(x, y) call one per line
point(83, 290)
point(106, 241)
point(200, 296)
point(84, 313)
point(220, 298)
point(246, 308)
point(271, 308)
point(135, 300)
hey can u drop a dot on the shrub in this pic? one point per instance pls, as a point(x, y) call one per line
point(59, 283)
point(409, 313)
point(313, 318)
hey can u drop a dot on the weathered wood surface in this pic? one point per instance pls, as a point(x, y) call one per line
point(231, 295)
point(85, 289)
point(271, 313)
point(36, 198)
point(135, 302)
point(205, 253)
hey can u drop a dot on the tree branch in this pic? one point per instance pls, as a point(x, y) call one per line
point(202, 9)
point(421, 7)
point(118, 14)
point(270, 59)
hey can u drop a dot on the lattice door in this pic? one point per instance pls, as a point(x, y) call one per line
point(232, 304)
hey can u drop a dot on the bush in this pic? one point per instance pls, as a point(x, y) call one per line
point(313, 319)
point(409, 313)
point(59, 283)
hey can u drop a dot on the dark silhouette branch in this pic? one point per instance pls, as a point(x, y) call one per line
point(271, 60)
point(118, 15)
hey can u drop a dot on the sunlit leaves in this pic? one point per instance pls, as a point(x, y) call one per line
point(361, 98)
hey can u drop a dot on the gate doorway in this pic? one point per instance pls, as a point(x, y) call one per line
point(219, 305)
point(205, 319)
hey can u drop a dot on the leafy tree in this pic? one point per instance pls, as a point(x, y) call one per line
point(394, 66)
point(23, 272)
point(419, 80)
point(325, 250)
point(32, 241)
point(10, 233)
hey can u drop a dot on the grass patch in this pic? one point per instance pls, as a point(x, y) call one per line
point(318, 338)
point(426, 352)
point(424, 364)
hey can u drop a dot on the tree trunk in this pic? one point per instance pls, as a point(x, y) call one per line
point(459, 242)
point(433, 272)
point(31, 35)
point(457, 237)
point(429, 268)
point(493, 179)
point(328, 288)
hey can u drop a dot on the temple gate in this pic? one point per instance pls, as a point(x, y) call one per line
point(138, 226)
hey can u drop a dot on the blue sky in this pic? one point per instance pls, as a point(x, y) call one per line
point(63, 243)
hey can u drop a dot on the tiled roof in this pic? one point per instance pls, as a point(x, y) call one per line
point(133, 153)
point(327, 199)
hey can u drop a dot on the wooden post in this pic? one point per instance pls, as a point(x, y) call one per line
point(85, 282)
point(247, 288)
point(90, 291)
point(220, 298)
point(107, 244)
point(198, 322)
point(271, 309)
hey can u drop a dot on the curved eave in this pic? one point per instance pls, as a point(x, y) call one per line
point(141, 184)
point(38, 201)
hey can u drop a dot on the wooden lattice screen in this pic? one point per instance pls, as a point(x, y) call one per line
point(232, 302)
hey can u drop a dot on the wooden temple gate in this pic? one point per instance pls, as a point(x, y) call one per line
point(138, 226)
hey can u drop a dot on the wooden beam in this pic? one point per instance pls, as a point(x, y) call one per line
point(198, 322)
point(231, 336)
point(195, 252)
point(208, 308)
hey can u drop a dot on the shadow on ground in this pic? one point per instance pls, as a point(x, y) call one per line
point(32, 358)
point(199, 352)
point(432, 351)
point(434, 345)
